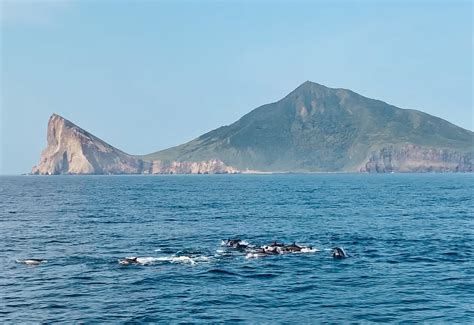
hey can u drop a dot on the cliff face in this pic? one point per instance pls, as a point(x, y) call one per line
point(412, 158)
point(72, 150)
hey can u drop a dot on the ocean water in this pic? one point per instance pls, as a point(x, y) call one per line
point(409, 237)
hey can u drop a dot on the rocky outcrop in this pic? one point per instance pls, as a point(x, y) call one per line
point(72, 150)
point(411, 158)
point(190, 167)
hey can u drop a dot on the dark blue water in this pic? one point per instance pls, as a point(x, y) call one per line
point(410, 238)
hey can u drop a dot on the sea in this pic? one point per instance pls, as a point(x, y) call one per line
point(408, 238)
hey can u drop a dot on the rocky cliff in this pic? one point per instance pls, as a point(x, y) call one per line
point(72, 150)
point(412, 158)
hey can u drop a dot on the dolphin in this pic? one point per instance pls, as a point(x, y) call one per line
point(232, 242)
point(338, 252)
point(273, 250)
point(256, 253)
point(32, 261)
point(236, 243)
point(293, 248)
point(129, 260)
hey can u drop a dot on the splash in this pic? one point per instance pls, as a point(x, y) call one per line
point(310, 250)
point(150, 260)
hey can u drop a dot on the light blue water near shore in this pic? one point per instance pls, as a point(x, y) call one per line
point(410, 238)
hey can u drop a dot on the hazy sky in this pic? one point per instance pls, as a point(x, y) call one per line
point(148, 75)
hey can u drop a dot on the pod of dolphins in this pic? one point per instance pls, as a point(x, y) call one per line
point(275, 248)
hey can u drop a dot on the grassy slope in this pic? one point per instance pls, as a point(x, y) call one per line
point(316, 128)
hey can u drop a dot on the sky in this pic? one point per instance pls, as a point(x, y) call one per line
point(147, 75)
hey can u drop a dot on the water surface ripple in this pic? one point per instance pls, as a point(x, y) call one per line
point(410, 238)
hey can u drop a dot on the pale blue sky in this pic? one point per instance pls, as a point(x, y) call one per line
point(146, 75)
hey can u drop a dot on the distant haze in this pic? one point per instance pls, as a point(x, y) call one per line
point(149, 75)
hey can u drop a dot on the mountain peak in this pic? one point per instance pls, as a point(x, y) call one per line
point(55, 120)
point(311, 85)
point(320, 129)
point(310, 88)
point(56, 117)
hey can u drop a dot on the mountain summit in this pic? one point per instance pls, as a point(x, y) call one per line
point(312, 129)
point(321, 129)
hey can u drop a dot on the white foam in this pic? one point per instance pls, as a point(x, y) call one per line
point(169, 259)
point(309, 250)
point(203, 258)
point(146, 260)
point(255, 255)
point(175, 259)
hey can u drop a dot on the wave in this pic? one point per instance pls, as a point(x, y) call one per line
point(222, 272)
point(255, 255)
point(310, 250)
point(262, 276)
point(149, 260)
point(184, 259)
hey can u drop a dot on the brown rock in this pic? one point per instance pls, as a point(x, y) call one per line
point(72, 150)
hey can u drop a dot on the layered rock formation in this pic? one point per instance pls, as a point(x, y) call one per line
point(312, 129)
point(72, 150)
point(412, 158)
point(213, 166)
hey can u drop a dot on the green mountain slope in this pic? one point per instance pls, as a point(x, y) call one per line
point(321, 129)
